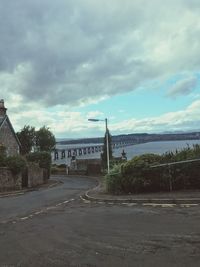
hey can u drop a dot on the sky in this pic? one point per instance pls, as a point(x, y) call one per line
point(135, 62)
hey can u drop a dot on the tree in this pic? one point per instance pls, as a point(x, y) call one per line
point(45, 140)
point(27, 139)
point(104, 153)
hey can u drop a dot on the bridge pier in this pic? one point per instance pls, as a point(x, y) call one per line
point(63, 154)
point(69, 153)
point(75, 152)
point(55, 155)
point(80, 152)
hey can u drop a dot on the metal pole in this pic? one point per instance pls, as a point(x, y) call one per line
point(107, 145)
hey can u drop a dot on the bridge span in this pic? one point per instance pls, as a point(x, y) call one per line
point(63, 152)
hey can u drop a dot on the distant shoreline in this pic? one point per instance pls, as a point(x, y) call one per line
point(135, 138)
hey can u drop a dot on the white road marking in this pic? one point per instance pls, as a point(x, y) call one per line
point(24, 218)
point(188, 205)
point(129, 204)
point(58, 204)
point(86, 201)
point(67, 201)
point(159, 205)
point(38, 212)
point(44, 210)
point(51, 208)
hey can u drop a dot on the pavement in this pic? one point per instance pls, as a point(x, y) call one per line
point(99, 194)
point(48, 184)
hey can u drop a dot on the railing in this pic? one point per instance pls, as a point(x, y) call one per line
point(169, 168)
point(174, 163)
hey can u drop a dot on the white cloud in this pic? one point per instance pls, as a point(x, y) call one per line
point(180, 120)
point(75, 124)
point(95, 115)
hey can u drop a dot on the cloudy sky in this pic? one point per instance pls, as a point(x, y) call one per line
point(135, 62)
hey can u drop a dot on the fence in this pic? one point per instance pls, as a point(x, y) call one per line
point(170, 170)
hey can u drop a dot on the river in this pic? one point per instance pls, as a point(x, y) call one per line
point(156, 147)
point(139, 149)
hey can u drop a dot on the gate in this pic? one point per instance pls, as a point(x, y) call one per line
point(25, 178)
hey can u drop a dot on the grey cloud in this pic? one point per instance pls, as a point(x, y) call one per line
point(183, 87)
point(75, 50)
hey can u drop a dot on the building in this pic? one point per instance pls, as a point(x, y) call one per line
point(8, 138)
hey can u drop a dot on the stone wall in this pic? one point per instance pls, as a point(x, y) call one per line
point(82, 164)
point(86, 166)
point(8, 181)
point(8, 139)
point(35, 175)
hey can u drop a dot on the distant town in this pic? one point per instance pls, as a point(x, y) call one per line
point(136, 138)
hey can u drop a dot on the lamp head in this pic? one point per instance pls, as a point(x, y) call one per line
point(93, 120)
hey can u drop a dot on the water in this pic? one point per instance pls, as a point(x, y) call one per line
point(134, 150)
point(156, 147)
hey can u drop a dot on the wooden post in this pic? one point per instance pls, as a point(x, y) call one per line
point(170, 180)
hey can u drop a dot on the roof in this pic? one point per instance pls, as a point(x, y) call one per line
point(2, 121)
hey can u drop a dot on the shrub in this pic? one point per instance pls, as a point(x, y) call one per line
point(113, 180)
point(16, 164)
point(137, 175)
point(139, 163)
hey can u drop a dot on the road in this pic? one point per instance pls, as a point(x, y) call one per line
point(56, 228)
point(35, 200)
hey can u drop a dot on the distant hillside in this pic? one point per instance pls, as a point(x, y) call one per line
point(63, 139)
point(136, 138)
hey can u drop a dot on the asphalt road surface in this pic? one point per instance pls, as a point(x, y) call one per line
point(56, 228)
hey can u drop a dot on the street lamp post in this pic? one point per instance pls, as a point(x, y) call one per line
point(107, 141)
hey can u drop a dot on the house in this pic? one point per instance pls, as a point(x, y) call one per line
point(8, 137)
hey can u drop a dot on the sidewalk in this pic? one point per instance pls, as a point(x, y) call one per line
point(98, 194)
point(49, 184)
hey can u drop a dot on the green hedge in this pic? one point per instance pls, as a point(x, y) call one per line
point(16, 164)
point(137, 175)
point(113, 180)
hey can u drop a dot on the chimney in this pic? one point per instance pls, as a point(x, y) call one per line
point(2, 108)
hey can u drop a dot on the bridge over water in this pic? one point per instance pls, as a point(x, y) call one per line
point(64, 152)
